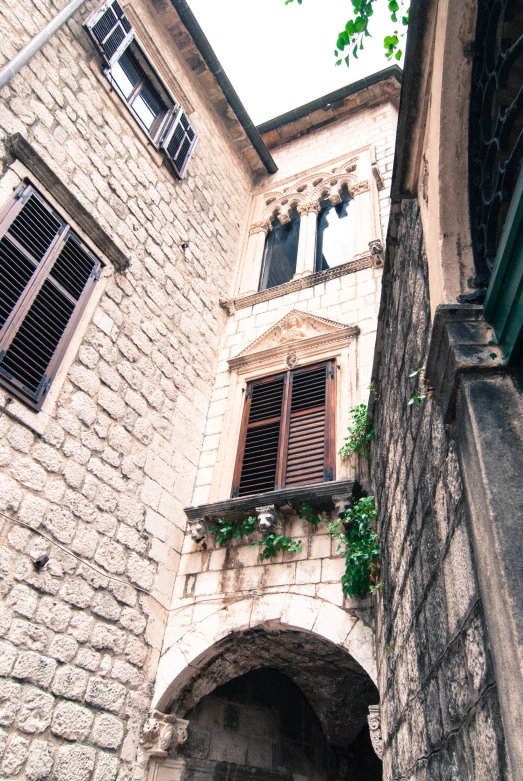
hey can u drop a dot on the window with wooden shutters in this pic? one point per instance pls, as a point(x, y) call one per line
point(137, 84)
point(287, 432)
point(46, 277)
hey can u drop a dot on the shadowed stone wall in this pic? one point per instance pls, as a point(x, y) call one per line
point(439, 702)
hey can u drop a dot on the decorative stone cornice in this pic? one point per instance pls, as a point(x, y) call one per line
point(163, 732)
point(302, 283)
point(374, 719)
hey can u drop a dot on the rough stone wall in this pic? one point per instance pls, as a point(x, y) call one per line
point(110, 474)
point(439, 703)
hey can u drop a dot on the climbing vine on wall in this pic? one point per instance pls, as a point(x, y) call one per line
point(359, 433)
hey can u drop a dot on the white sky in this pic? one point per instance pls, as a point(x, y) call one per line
point(279, 57)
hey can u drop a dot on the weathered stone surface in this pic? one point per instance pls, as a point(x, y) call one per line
point(70, 682)
point(105, 694)
point(74, 762)
point(40, 760)
point(71, 721)
point(36, 668)
point(35, 712)
point(10, 697)
point(15, 755)
point(107, 732)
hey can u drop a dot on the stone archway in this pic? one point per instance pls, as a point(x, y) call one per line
point(325, 652)
point(193, 640)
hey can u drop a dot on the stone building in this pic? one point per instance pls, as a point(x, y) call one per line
point(167, 270)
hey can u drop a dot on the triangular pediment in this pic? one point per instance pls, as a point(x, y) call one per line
point(294, 327)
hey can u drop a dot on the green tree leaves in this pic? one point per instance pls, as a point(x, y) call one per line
point(350, 40)
point(359, 433)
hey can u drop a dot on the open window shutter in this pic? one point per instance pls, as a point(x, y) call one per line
point(257, 459)
point(308, 454)
point(48, 275)
point(111, 30)
point(179, 141)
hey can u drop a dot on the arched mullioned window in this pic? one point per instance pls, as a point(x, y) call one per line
point(335, 240)
point(281, 252)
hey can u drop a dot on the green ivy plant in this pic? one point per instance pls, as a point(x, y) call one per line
point(418, 398)
point(360, 433)
point(358, 541)
point(307, 513)
point(350, 39)
point(273, 543)
point(226, 530)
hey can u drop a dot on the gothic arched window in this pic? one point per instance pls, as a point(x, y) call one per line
point(335, 241)
point(281, 251)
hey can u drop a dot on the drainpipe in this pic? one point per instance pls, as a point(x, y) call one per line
point(36, 43)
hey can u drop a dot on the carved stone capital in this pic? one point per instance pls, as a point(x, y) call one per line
point(308, 208)
point(198, 529)
point(267, 518)
point(163, 732)
point(359, 188)
point(374, 719)
point(261, 227)
point(227, 304)
point(341, 502)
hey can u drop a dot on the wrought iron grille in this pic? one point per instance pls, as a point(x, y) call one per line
point(496, 128)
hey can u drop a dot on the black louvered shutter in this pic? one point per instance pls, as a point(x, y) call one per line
point(262, 421)
point(309, 427)
point(46, 276)
point(111, 30)
point(179, 141)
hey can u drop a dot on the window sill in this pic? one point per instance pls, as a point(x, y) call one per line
point(320, 496)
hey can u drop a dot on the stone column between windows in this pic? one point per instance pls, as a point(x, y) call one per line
point(306, 258)
point(254, 257)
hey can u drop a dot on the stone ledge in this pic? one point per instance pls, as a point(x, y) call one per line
point(461, 342)
point(22, 150)
point(320, 496)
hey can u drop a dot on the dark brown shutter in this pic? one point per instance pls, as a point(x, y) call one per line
point(179, 141)
point(287, 436)
point(111, 30)
point(307, 431)
point(47, 275)
point(258, 453)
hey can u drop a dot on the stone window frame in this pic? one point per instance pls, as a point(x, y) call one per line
point(37, 420)
point(340, 347)
point(357, 170)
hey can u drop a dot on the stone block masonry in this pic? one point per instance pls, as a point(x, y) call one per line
point(440, 712)
point(107, 476)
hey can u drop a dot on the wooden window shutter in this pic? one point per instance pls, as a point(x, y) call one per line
point(47, 275)
point(111, 30)
point(287, 434)
point(179, 141)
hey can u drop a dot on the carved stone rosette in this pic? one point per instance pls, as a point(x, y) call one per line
point(163, 733)
point(267, 518)
point(374, 719)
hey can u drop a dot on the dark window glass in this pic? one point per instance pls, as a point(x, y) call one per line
point(137, 90)
point(335, 242)
point(281, 252)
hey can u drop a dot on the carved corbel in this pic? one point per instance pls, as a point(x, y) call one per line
point(198, 529)
point(380, 184)
point(163, 733)
point(267, 518)
point(374, 719)
point(335, 199)
point(284, 217)
point(376, 250)
point(228, 304)
point(341, 502)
